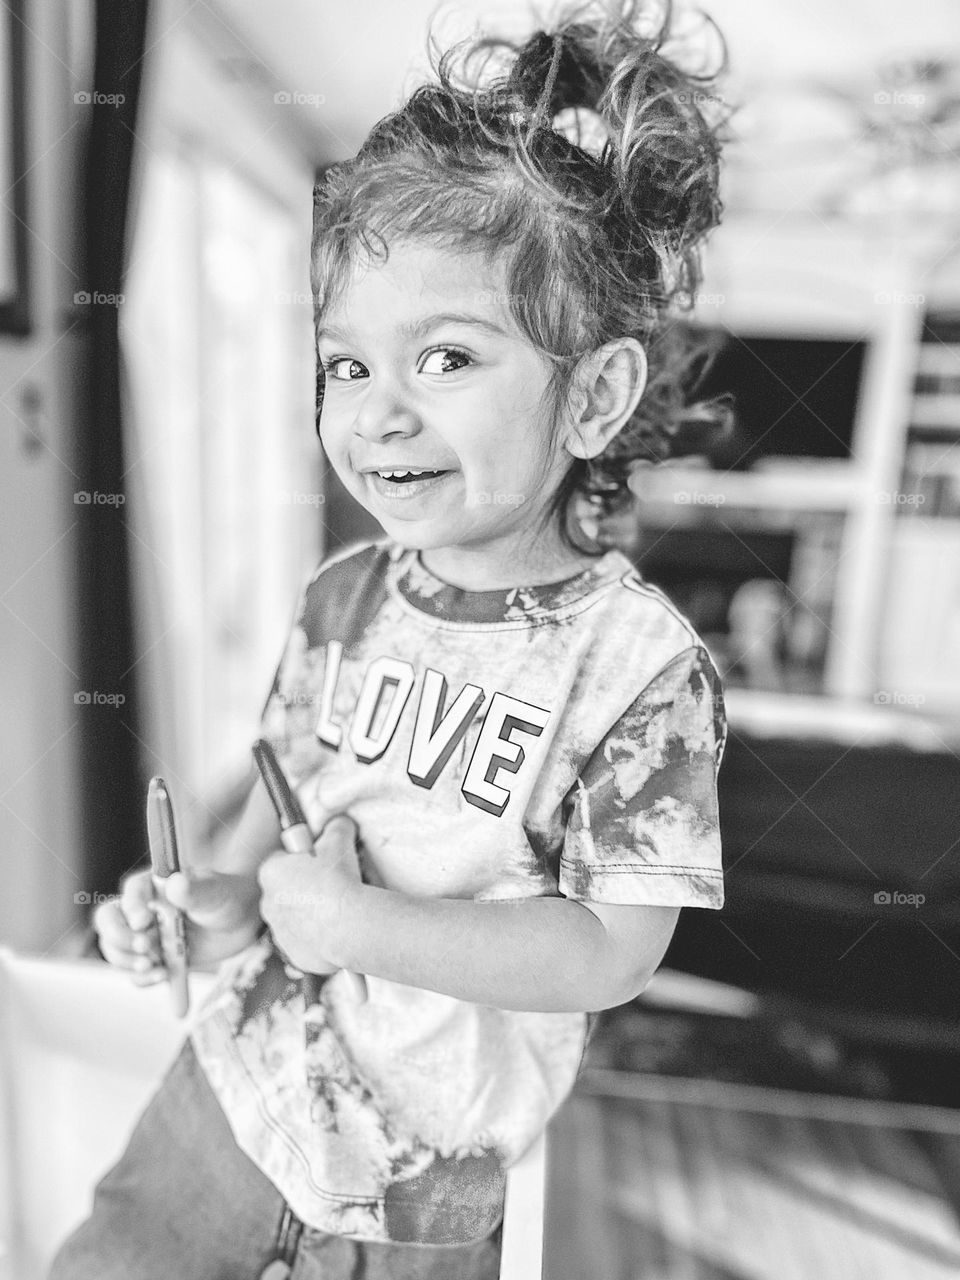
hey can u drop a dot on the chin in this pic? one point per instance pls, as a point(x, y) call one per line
point(415, 535)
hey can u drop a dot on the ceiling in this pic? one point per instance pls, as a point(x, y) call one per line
point(361, 57)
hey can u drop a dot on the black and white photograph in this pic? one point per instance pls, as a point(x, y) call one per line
point(480, 640)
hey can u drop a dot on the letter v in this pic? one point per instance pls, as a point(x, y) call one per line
point(435, 735)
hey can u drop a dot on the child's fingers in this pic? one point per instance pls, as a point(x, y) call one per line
point(136, 895)
point(149, 977)
point(114, 931)
point(212, 900)
point(203, 898)
point(339, 835)
point(339, 826)
point(338, 843)
point(125, 957)
point(134, 954)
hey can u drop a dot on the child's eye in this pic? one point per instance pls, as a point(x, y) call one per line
point(441, 357)
point(335, 369)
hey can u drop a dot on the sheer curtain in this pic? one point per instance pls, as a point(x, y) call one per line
point(226, 520)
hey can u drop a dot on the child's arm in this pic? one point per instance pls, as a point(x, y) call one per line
point(538, 954)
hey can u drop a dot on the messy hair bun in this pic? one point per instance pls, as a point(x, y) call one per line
point(592, 158)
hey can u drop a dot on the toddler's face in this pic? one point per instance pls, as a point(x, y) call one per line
point(426, 371)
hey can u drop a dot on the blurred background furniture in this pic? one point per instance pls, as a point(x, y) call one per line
point(671, 1177)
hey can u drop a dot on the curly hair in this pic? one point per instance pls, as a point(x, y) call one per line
point(603, 242)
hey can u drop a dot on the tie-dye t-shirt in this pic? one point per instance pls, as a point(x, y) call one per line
point(493, 745)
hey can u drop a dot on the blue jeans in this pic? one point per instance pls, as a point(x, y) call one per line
point(185, 1203)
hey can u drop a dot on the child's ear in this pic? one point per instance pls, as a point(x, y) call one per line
point(608, 384)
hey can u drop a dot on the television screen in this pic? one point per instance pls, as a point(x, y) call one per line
point(793, 395)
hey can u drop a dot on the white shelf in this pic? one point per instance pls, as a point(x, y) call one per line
point(936, 410)
point(800, 489)
point(939, 360)
point(845, 720)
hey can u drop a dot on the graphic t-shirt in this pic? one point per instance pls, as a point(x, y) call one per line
point(494, 745)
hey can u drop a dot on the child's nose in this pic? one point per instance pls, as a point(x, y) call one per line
point(386, 412)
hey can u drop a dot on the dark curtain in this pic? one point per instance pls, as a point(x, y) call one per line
point(112, 790)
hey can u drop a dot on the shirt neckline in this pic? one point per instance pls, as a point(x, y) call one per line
point(424, 592)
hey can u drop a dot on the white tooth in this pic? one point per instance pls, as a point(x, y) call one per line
point(410, 471)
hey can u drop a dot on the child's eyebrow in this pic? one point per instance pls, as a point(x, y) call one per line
point(417, 328)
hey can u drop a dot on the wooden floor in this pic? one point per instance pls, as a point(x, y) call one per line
point(667, 1190)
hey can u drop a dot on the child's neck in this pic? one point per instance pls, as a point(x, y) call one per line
point(491, 569)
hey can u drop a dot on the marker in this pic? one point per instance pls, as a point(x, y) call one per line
point(164, 861)
point(296, 837)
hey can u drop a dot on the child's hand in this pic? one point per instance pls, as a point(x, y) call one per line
point(301, 889)
point(127, 931)
point(221, 917)
point(221, 913)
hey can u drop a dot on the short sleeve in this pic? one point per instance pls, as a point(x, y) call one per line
point(643, 819)
point(289, 714)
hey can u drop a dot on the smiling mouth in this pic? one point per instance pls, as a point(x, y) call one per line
point(405, 477)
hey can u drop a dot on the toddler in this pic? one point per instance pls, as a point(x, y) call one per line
point(508, 739)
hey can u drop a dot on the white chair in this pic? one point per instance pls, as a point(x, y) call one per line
point(81, 1051)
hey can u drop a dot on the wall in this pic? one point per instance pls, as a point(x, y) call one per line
point(38, 516)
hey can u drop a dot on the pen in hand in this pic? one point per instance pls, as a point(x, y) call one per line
point(296, 837)
point(164, 861)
